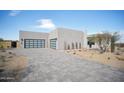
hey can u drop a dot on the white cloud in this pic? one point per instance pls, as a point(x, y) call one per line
point(45, 23)
point(14, 12)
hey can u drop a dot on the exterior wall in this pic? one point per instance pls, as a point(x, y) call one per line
point(93, 46)
point(65, 38)
point(68, 36)
point(85, 45)
point(32, 35)
point(119, 44)
point(5, 44)
point(52, 35)
point(17, 44)
point(8, 44)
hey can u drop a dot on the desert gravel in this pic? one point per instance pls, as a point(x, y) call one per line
point(48, 65)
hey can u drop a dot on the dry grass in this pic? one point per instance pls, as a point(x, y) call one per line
point(121, 58)
point(17, 63)
point(104, 58)
point(11, 62)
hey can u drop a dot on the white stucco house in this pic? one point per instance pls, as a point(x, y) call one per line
point(60, 38)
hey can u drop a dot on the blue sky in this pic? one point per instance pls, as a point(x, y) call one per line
point(46, 20)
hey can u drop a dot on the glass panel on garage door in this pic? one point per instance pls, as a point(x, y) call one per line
point(34, 43)
point(53, 43)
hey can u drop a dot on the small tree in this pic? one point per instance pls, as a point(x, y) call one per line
point(103, 40)
point(115, 37)
point(106, 40)
point(1, 46)
point(1, 39)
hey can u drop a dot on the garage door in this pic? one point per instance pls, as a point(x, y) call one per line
point(53, 43)
point(34, 43)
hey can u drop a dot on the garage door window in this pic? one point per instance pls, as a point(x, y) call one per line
point(53, 43)
point(34, 43)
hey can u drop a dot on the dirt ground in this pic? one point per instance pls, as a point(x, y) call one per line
point(10, 62)
point(52, 65)
point(107, 58)
point(49, 65)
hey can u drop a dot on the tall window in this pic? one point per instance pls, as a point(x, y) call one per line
point(21, 41)
point(76, 45)
point(72, 45)
point(65, 45)
point(68, 47)
point(79, 45)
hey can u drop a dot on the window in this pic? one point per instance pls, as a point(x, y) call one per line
point(65, 45)
point(72, 45)
point(79, 45)
point(21, 41)
point(76, 45)
point(53, 43)
point(34, 43)
point(68, 47)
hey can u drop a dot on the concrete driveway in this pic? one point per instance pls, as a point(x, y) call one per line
point(47, 65)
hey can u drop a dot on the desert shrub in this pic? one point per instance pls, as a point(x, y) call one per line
point(118, 48)
point(101, 51)
point(10, 52)
point(1, 46)
point(13, 54)
point(2, 64)
point(1, 70)
point(74, 52)
point(2, 58)
point(117, 53)
point(79, 50)
point(122, 50)
point(10, 56)
point(3, 50)
point(68, 51)
point(108, 58)
point(120, 58)
point(2, 61)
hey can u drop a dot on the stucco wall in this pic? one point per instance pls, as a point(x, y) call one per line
point(65, 38)
point(5, 44)
point(32, 35)
point(68, 36)
point(17, 44)
point(53, 34)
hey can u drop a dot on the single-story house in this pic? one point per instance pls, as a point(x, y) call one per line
point(60, 38)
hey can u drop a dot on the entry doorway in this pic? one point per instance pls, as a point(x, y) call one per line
point(13, 44)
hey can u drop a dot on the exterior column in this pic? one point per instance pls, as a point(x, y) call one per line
point(85, 39)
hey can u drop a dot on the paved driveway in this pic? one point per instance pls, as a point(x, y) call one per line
point(53, 65)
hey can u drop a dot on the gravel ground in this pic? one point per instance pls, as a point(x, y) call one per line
point(47, 65)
